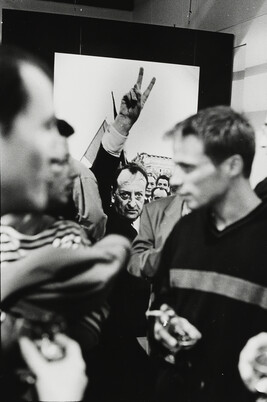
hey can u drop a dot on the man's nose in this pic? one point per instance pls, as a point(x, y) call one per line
point(132, 201)
point(177, 178)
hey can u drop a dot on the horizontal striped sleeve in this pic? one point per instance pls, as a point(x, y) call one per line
point(62, 233)
point(220, 284)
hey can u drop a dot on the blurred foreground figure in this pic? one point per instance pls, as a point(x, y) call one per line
point(28, 128)
point(21, 234)
point(253, 364)
point(212, 272)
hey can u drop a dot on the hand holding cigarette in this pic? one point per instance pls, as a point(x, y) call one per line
point(172, 331)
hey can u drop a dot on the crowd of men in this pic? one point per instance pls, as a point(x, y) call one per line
point(113, 287)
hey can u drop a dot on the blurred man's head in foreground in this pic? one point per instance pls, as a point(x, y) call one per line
point(28, 129)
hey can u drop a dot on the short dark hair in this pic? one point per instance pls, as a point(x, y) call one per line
point(13, 94)
point(224, 133)
point(163, 177)
point(133, 168)
point(158, 188)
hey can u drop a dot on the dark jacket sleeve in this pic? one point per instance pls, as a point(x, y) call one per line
point(104, 169)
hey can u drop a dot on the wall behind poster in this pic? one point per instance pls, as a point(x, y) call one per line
point(47, 34)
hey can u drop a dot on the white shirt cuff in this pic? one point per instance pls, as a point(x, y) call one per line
point(113, 142)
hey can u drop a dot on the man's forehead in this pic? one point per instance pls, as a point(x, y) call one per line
point(188, 149)
point(33, 77)
point(128, 180)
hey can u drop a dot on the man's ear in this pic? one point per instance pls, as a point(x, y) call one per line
point(234, 165)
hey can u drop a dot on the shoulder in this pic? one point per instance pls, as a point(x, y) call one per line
point(84, 172)
point(162, 204)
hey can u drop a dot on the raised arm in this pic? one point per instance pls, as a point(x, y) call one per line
point(107, 160)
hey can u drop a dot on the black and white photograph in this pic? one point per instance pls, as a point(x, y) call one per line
point(133, 200)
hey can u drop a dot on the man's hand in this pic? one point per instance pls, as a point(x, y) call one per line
point(171, 330)
point(247, 367)
point(61, 380)
point(131, 105)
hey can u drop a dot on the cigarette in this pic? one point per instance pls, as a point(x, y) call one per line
point(154, 313)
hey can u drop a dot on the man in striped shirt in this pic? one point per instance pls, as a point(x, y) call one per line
point(63, 277)
point(22, 234)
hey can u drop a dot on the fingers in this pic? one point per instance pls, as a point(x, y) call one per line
point(148, 90)
point(134, 93)
point(252, 348)
point(31, 354)
point(163, 336)
point(134, 98)
point(165, 307)
point(256, 342)
point(183, 326)
point(170, 328)
point(138, 85)
point(261, 386)
point(72, 348)
point(247, 360)
point(140, 77)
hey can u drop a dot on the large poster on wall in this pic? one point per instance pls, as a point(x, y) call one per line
point(83, 96)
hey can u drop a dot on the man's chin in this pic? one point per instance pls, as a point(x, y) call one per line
point(190, 202)
point(132, 216)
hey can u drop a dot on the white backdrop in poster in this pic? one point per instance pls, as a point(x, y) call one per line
point(82, 93)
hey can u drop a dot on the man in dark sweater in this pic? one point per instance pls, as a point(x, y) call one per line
point(261, 188)
point(213, 268)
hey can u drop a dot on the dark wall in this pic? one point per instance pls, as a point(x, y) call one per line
point(44, 34)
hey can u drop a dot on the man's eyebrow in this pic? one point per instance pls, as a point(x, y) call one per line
point(185, 165)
